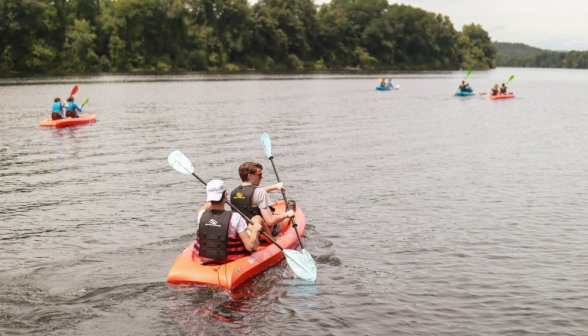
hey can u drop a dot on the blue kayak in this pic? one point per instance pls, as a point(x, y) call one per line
point(395, 87)
point(466, 93)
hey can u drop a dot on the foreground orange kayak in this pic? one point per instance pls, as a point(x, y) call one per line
point(229, 274)
point(504, 96)
point(60, 123)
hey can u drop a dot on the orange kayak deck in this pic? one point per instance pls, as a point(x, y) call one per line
point(501, 96)
point(232, 273)
point(60, 123)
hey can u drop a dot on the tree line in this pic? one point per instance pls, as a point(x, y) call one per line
point(546, 59)
point(122, 35)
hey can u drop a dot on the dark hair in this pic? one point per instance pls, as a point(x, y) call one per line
point(219, 202)
point(502, 84)
point(248, 168)
point(70, 99)
point(57, 100)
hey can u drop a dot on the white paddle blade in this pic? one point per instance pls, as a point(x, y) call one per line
point(308, 256)
point(180, 163)
point(267, 144)
point(301, 265)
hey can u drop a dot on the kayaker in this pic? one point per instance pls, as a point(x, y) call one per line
point(72, 110)
point(494, 90)
point(57, 109)
point(503, 89)
point(468, 88)
point(462, 87)
point(390, 83)
point(254, 201)
point(223, 235)
point(383, 82)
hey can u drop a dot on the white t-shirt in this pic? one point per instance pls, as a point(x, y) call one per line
point(238, 224)
point(261, 198)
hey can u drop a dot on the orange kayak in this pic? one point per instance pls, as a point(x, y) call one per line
point(229, 274)
point(85, 119)
point(504, 96)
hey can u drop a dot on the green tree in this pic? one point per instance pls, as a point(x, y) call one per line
point(79, 45)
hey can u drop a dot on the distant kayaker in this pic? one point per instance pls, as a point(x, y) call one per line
point(494, 90)
point(503, 89)
point(223, 235)
point(390, 85)
point(72, 110)
point(383, 82)
point(254, 201)
point(462, 87)
point(57, 111)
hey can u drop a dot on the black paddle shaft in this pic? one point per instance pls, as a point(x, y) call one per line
point(271, 158)
point(245, 217)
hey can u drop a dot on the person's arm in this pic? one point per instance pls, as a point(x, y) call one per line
point(205, 207)
point(271, 219)
point(278, 186)
point(249, 240)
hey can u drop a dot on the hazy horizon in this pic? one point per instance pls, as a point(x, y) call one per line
point(543, 25)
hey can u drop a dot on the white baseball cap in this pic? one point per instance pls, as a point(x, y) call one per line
point(215, 190)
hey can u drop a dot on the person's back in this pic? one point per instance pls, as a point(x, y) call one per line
point(57, 109)
point(223, 235)
point(503, 89)
point(72, 110)
point(494, 90)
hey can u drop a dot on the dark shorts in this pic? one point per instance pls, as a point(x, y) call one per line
point(55, 116)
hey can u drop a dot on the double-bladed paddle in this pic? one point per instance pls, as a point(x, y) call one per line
point(511, 78)
point(299, 263)
point(267, 146)
point(74, 91)
point(86, 102)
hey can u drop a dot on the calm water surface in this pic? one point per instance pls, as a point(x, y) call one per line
point(428, 214)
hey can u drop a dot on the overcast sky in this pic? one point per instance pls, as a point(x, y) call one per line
point(555, 25)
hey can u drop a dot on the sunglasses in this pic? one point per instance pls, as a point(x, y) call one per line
point(258, 173)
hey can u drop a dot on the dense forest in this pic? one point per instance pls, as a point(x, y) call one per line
point(124, 35)
point(524, 56)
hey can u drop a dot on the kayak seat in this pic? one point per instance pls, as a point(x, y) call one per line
point(212, 262)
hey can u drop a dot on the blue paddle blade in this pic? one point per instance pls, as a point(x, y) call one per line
point(267, 144)
point(301, 265)
point(180, 163)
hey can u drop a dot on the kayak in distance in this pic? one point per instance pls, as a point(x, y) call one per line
point(502, 96)
point(395, 87)
point(473, 93)
point(229, 274)
point(60, 123)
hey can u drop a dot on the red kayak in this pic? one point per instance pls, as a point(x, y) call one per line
point(60, 123)
point(502, 96)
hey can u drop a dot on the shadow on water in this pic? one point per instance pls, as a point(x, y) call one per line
point(239, 311)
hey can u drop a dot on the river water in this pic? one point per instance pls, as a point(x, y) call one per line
point(428, 214)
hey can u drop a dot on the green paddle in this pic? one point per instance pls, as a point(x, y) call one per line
point(86, 102)
point(298, 262)
point(511, 78)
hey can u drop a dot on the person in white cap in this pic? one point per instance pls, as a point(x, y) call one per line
point(223, 235)
point(254, 201)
